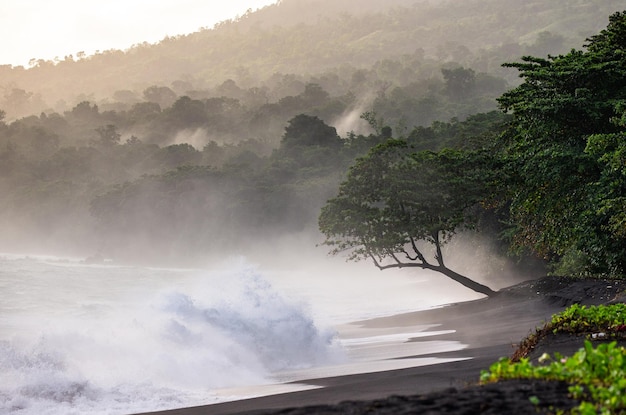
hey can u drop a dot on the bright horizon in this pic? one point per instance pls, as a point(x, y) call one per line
point(41, 29)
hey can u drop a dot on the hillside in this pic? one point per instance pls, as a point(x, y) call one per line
point(311, 38)
point(242, 132)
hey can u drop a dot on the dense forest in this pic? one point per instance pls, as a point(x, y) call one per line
point(236, 135)
point(555, 177)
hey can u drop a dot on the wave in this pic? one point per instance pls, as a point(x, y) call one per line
point(179, 336)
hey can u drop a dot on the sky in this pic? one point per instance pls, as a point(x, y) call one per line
point(45, 29)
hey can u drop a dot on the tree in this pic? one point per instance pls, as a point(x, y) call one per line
point(85, 111)
point(161, 95)
point(563, 153)
point(307, 130)
point(459, 81)
point(177, 155)
point(394, 201)
point(108, 135)
point(186, 113)
point(314, 95)
point(375, 122)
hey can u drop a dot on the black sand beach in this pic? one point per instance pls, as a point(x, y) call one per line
point(492, 327)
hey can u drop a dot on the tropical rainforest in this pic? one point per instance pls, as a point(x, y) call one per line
point(402, 122)
point(557, 171)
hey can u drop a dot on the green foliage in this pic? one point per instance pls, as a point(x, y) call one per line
point(406, 191)
point(459, 81)
point(579, 318)
point(610, 190)
point(597, 376)
point(477, 132)
point(572, 262)
point(603, 322)
point(305, 131)
point(375, 122)
point(459, 95)
point(393, 198)
point(563, 153)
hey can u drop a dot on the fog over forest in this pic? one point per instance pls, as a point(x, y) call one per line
point(234, 137)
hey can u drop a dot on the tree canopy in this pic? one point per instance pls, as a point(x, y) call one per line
point(564, 153)
point(394, 199)
point(556, 174)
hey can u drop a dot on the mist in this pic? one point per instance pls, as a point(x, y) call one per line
point(181, 168)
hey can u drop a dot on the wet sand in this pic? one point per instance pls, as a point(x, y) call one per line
point(491, 327)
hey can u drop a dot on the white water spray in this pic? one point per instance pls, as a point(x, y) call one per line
point(89, 340)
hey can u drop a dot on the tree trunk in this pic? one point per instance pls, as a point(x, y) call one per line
point(466, 282)
point(461, 279)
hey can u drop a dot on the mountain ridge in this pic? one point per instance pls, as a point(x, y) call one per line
point(309, 38)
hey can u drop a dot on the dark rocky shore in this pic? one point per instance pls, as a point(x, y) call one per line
point(492, 327)
point(510, 397)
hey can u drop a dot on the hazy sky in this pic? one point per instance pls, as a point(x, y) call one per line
point(45, 29)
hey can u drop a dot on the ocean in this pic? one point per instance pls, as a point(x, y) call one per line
point(78, 338)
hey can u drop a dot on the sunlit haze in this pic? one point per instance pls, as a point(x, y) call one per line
point(42, 29)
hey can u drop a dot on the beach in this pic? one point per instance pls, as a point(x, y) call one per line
point(490, 327)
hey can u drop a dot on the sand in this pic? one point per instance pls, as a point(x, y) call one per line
point(491, 327)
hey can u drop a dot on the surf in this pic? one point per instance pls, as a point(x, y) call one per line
point(79, 338)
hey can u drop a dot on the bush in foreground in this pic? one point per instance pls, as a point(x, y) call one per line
point(597, 376)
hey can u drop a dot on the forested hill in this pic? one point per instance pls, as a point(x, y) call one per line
point(309, 38)
point(229, 138)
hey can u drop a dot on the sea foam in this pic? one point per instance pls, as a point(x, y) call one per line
point(79, 339)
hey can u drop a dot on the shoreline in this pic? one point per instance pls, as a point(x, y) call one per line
point(491, 327)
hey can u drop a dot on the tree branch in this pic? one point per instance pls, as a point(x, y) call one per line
point(439, 254)
point(409, 257)
point(461, 279)
point(417, 251)
point(376, 263)
point(393, 255)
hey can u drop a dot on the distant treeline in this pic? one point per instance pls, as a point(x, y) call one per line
point(185, 174)
point(119, 181)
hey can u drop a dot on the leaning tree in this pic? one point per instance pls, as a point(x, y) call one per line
point(398, 207)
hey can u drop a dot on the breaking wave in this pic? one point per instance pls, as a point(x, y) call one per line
point(78, 339)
